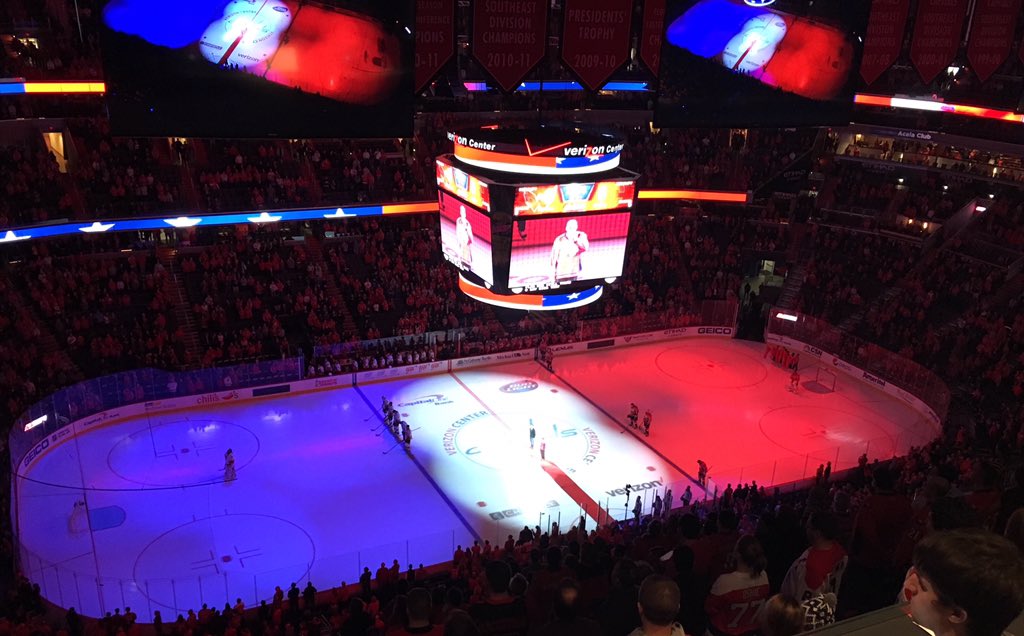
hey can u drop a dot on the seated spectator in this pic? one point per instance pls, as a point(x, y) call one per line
point(965, 583)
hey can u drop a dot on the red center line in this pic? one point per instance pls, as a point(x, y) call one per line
point(231, 49)
point(568, 486)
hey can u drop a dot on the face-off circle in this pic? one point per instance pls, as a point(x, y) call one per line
point(236, 553)
point(186, 452)
point(712, 366)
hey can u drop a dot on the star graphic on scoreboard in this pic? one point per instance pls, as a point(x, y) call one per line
point(595, 157)
point(573, 296)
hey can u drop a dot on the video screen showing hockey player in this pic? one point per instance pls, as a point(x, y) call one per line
point(550, 252)
point(466, 237)
point(258, 68)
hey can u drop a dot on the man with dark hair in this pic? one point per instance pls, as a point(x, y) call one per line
point(658, 603)
point(568, 621)
point(500, 614)
point(417, 611)
point(967, 582)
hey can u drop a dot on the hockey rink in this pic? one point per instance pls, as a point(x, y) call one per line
point(323, 490)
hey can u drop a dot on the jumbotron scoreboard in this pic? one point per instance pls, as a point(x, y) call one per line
point(534, 219)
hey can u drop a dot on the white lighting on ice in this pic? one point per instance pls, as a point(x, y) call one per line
point(789, 317)
point(183, 221)
point(36, 422)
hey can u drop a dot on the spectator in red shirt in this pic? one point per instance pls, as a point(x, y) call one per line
point(819, 570)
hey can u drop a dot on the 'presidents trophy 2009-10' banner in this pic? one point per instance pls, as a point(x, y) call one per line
point(595, 38)
point(509, 37)
point(435, 38)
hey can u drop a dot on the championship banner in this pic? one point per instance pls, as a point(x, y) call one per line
point(884, 37)
point(991, 35)
point(435, 38)
point(653, 31)
point(936, 36)
point(595, 38)
point(509, 37)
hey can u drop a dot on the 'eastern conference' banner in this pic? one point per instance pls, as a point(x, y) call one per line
point(435, 38)
point(509, 37)
point(595, 40)
point(653, 30)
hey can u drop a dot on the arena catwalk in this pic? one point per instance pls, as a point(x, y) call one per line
point(139, 513)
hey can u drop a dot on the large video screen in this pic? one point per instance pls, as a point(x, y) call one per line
point(259, 68)
point(463, 185)
point(466, 237)
point(573, 197)
point(787, 63)
point(551, 252)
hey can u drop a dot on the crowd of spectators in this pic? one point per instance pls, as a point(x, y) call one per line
point(255, 294)
point(123, 176)
point(241, 175)
point(849, 268)
point(109, 312)
point(938, 289)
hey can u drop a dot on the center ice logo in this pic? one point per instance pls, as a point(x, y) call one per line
point(520, 386)
point(482, 440)
point(434, 398)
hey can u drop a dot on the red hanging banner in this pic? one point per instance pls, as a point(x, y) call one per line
point(937, 33)
point(884, 37)
point(653, 31)
point(509, 37)
point(435, 38)
point(595, 38)
point(991, 35)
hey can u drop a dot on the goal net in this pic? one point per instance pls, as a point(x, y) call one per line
point(826, 379)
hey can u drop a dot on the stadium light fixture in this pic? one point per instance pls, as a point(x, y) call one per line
point(789, 317)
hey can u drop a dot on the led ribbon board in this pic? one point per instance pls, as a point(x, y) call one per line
point(550, 151)
point(531, 302)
